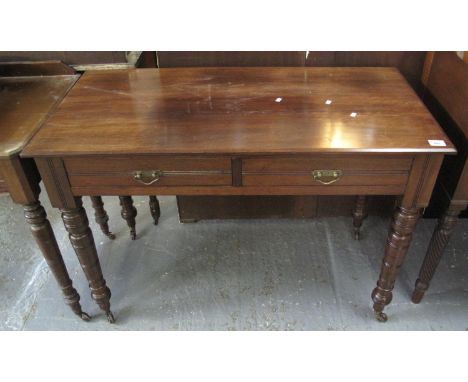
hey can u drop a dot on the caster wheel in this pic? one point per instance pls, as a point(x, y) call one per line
point(381, 316)
point(110, 317)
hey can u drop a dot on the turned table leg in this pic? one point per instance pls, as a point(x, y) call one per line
point(129, 212)
point(42, 231)
point(399, 237)
point(81, 237)
point(359, 214)
point(439, 240)
point(101, 216)
point(154, 208)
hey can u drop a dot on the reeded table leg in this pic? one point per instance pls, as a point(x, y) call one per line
point(101, 216)
point(129, 212)
point(42, 231)
point(81, 237)
point(399, 238)
point(154, 208)
point(359, 214)
point(439, 240)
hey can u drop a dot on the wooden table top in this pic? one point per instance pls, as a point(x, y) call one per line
point(239, 111)
point(25, 102)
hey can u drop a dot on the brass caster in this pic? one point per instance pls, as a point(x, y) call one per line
point(111, 236)
point(417, 296)
point(85, 316)
point(110, 317)
point(357, 235)
point(381, 316)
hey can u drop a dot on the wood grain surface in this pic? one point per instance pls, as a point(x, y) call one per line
point(239, 110)
point(25, 103)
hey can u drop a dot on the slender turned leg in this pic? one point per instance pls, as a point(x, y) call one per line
point(399, 238)
point(101, 216)
point(439, 240)
point(154, 208)
point(42, 231)
point(77, 225)
point(359, 214)
point(129, 212)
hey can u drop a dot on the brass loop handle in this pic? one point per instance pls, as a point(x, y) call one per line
point(147, 177)
point(327, 176)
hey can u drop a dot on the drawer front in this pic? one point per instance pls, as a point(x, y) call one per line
point(154, 171)
point(334, 170)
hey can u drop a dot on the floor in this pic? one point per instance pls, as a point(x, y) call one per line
point(229, 275)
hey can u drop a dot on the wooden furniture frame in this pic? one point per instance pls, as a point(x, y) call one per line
point(446, 81)
point(29, 93)
point(241, 131)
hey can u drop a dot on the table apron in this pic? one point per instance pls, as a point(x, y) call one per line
point(243, 190)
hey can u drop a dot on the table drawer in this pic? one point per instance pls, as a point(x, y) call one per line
point(152, 171)
point(330, 170)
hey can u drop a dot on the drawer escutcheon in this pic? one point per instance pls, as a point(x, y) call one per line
point(147, 177)
point(327, 176)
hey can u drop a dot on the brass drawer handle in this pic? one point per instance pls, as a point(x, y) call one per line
point(147, 177)
point(327, 176)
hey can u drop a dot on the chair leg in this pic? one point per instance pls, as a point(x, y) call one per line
point(154, 208)
point(359, 214)
point(438, 242)
point(101, 216)
point(129, 212)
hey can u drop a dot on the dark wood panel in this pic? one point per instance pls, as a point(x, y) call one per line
point(446, 95)
point(243, 207)
point(147, 60)
point(21, 178)
point(166, 179)
point(36, 68)
point(108, 165)
point(54, 176)
point(410, 64)
point(461, 192)
point(3, 187)
point(308, 180)
point(343, 205)
point(205, 59)
point(231, 190)
point(452, 165)
point(290, 165)
point(70, 58)
point(193, 208)
point(448, 83)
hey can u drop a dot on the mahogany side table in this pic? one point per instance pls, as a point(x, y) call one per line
point(241, 131)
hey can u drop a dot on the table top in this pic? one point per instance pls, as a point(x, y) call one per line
point(25, 102)
point(239, 111)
